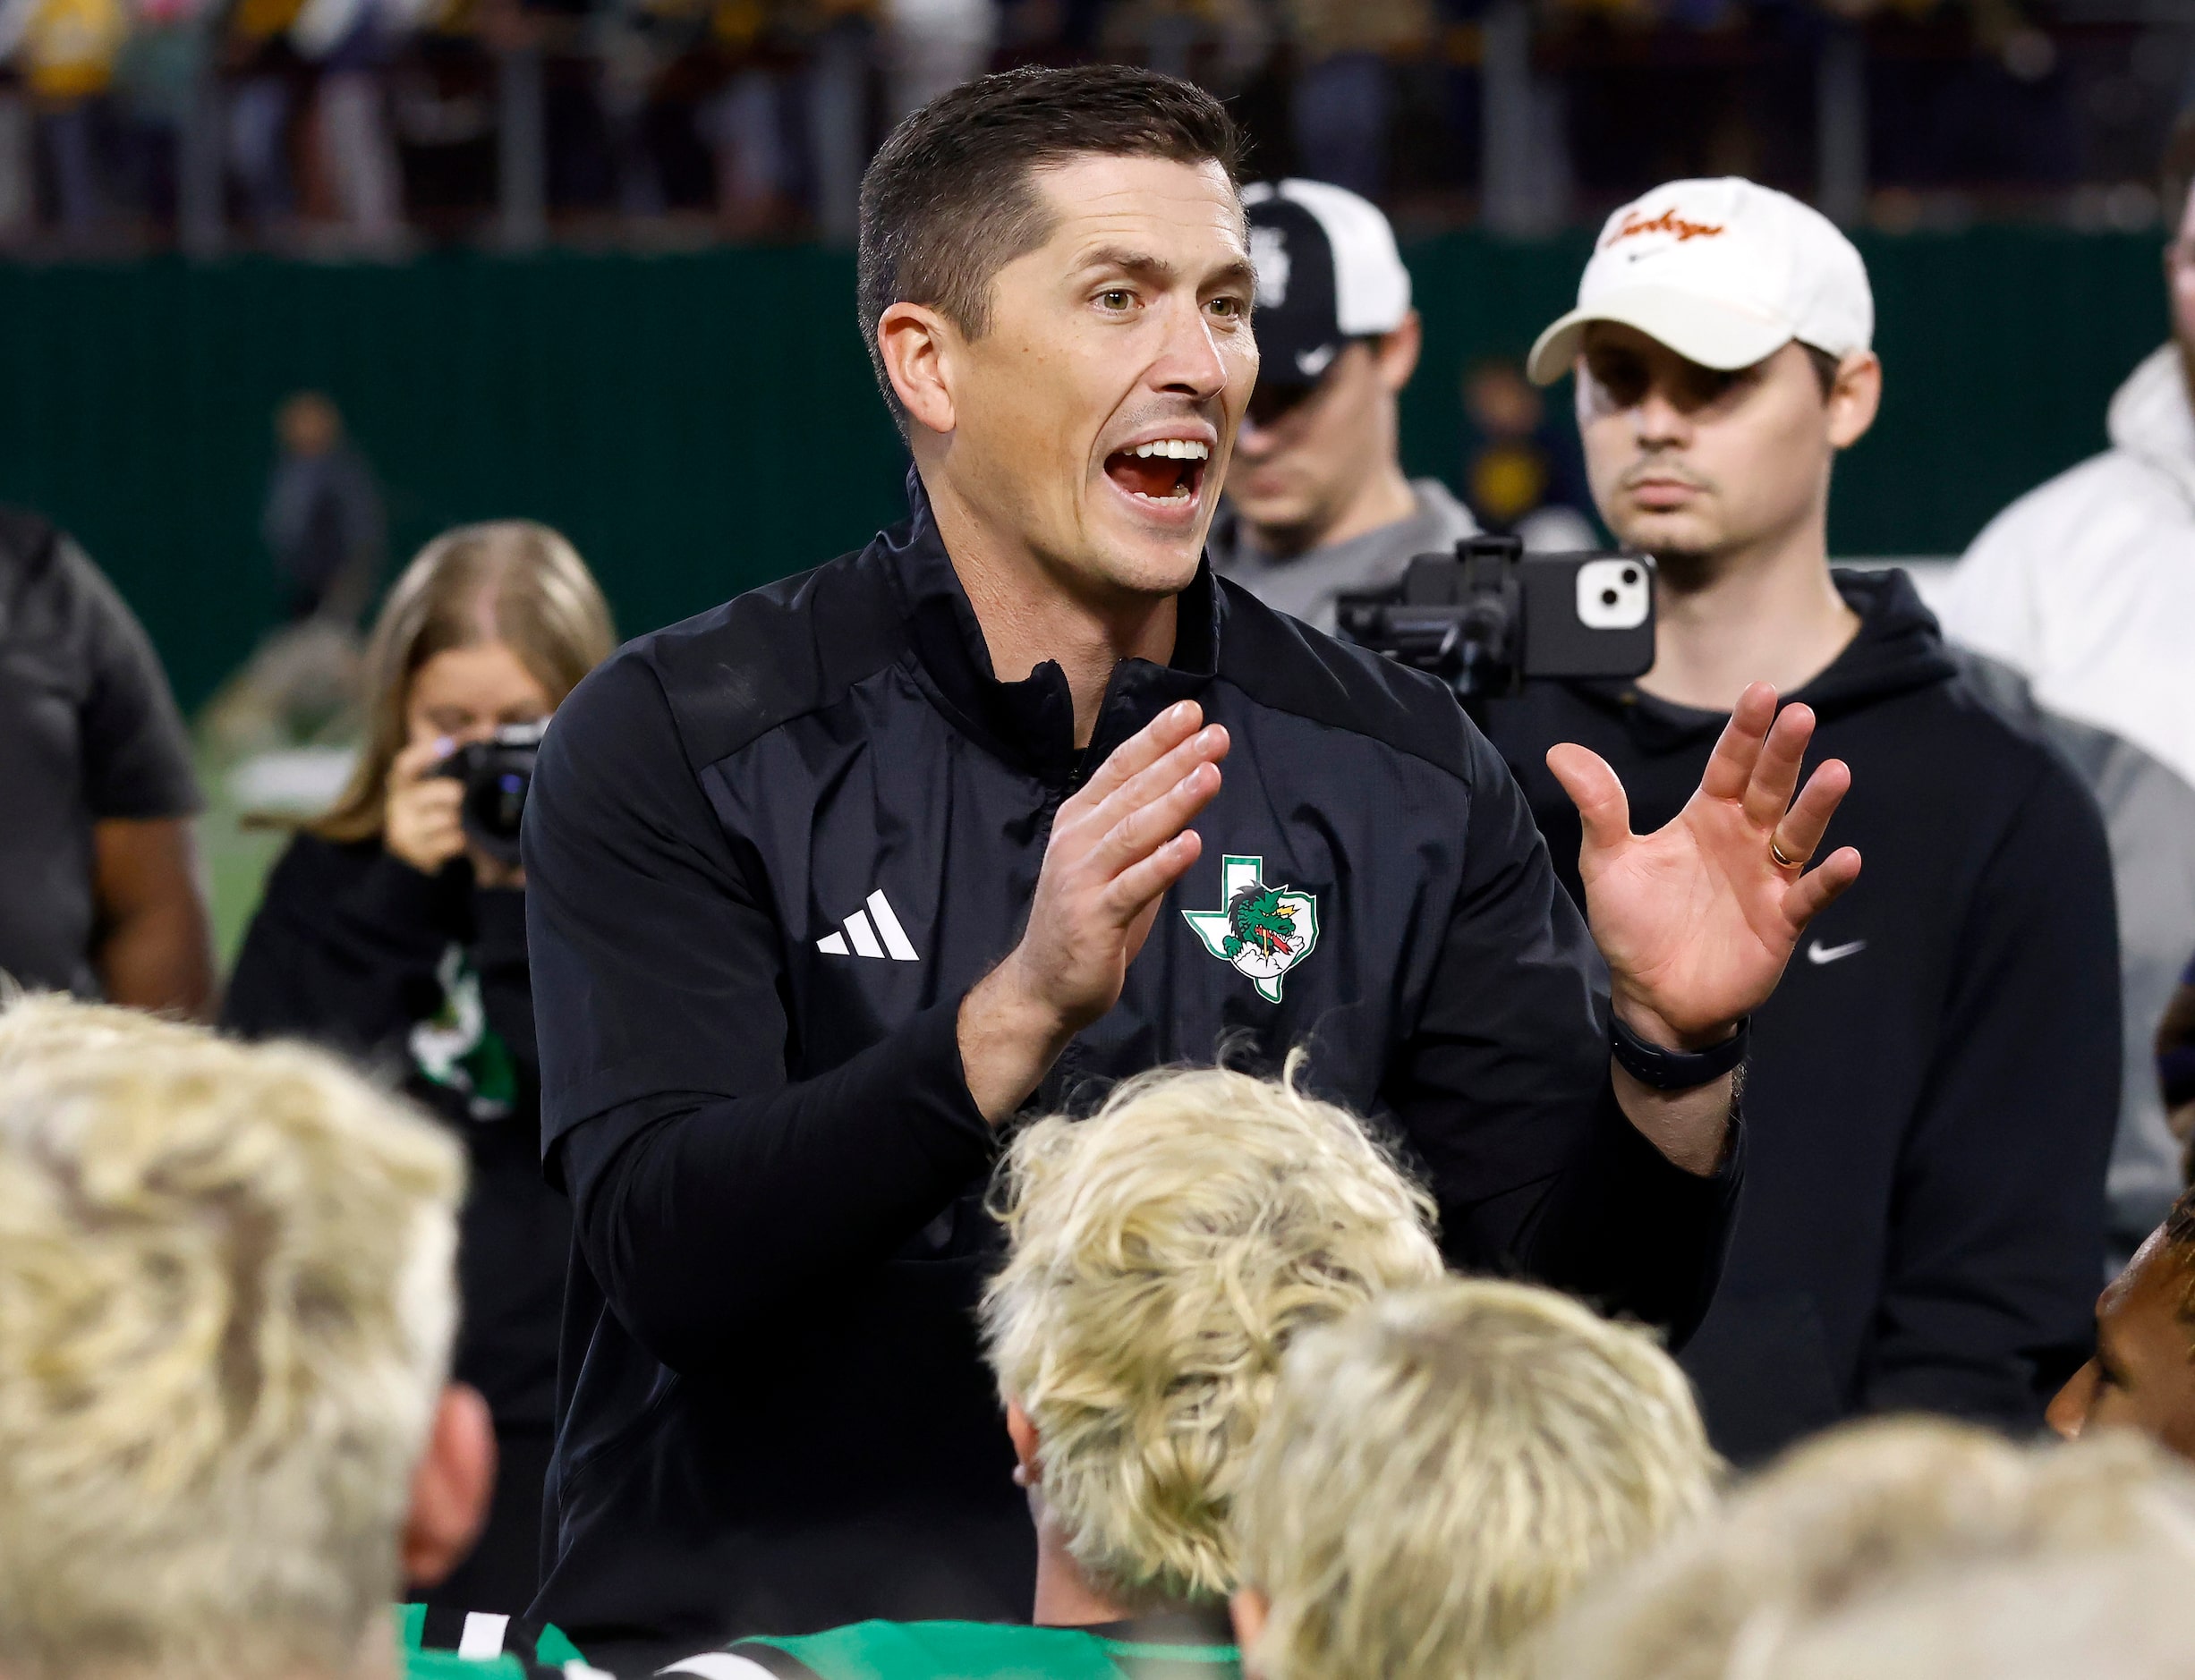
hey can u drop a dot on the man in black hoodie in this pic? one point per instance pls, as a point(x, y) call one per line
point(1933, 1090)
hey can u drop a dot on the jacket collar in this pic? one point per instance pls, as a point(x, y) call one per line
point(1207, 1625)
point(1031, 723)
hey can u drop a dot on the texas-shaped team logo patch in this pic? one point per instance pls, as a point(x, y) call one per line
point(1260, 931)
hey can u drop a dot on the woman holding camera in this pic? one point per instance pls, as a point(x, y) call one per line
point(393, 929)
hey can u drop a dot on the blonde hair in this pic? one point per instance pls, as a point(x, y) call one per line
point(35, 1026)
point(1444, 1467)
point(1853, 1520)
point(225, 1313)
point(510, 581)
point(2122, 1613)
point(1162, 1254)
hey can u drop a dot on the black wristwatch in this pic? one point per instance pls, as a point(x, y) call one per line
point(1676, 1070)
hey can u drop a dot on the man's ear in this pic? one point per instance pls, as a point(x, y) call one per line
point(1022, 1434)
point(1248, 1609)
point(1397, 356)
point(915, 342)
point(450, 1489)
point(1854, 398)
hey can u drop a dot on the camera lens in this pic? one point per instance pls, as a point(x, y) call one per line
point(1609, 597)
point(1631, 575)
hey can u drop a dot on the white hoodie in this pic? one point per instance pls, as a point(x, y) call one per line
point(2087, 585)
point(2087, 588)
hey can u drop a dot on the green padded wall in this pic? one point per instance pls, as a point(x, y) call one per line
point(701, 423)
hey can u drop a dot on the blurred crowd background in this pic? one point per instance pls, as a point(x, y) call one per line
point(286, 286)
point(379, 125)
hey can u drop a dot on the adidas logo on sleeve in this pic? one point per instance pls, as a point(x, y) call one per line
point(874, 932)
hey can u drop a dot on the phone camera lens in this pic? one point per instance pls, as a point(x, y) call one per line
point(1630, 574)
point(1609, 597)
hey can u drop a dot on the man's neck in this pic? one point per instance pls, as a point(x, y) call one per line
point(1382, 498)
point(1028, 615)
point(1766, 613)
point(1065, 1597)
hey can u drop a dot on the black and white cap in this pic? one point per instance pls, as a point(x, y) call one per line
point(1327, 272)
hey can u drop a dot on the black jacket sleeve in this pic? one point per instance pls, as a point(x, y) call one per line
point(1997, 1228)
point(711, 1189)
point(343, 949)
point(1504, 1092)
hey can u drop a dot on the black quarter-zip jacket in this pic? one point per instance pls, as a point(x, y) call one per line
point(769, 851)
point(1931, 1093)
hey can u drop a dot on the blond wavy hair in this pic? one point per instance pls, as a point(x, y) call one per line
point(1442, 1469)
point(225, 1312)
point(1874, 1520)
point(1163, 1255)
point(36, 1025)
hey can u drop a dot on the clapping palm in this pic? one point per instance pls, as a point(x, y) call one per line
point(1698, 920)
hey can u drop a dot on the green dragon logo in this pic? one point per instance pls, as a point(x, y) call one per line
point(1263, 931)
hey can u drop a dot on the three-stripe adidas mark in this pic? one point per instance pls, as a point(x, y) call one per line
point(863, 934)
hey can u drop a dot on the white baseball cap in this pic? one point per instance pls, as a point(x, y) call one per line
point(1724, 273)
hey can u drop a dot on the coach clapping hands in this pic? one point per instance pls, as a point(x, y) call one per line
point(1115, 847)
point(1016, 803)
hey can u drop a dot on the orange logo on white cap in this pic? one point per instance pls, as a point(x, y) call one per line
point(1668, 222)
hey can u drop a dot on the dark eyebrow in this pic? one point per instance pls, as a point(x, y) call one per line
point(1238, 273)
point(1142, 266)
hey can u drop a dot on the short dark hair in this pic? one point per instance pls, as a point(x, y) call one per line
point(948, 202)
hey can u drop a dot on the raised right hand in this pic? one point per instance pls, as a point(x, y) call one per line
point(1116, 846)
point(420, 822)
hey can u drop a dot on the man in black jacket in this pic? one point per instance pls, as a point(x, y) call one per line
point(1932, 1092)
point(832, 882)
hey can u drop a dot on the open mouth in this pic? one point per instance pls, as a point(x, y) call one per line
point(1167, 473)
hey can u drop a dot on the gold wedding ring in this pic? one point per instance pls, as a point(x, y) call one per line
point(1776, 852)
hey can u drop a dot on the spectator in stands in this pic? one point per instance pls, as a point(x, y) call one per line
point(933, 46)
point(388, 934)
point(164, 98)
point(260, 98)
point(224, 1428)
point(2013, 1563)
point(323, 522)
point(98, 886)
point(1443, 1470)
point(349, 43)
point(1163, 1255)
point(1342, 104)
point(18, 171)
point(1932, 1095)
point(69, 50)
point(1317, 504)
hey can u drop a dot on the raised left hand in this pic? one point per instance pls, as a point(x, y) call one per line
point(1698, 920)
